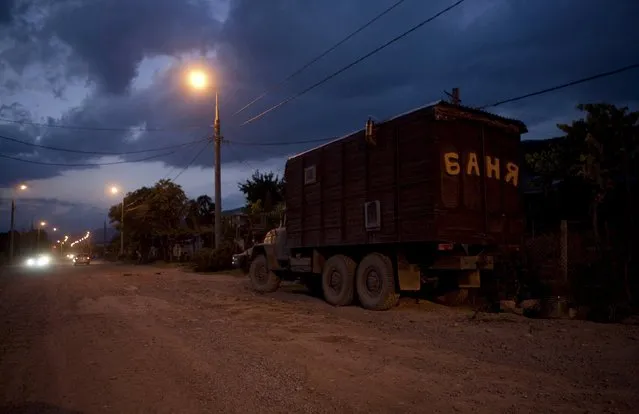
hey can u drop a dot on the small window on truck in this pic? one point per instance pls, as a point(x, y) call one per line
point(309, 175)
point(371, 215)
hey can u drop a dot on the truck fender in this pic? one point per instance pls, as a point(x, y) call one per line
point(267, 250)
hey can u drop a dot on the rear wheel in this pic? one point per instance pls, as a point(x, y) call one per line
point(262, 279)
point(338, 280)
point(375, 281)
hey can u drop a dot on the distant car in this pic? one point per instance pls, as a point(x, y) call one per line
point(84, 259)
point(42, 260)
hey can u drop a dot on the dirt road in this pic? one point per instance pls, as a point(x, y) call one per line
point(114, 339)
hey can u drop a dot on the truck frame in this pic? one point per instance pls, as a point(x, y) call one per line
point(427, 197)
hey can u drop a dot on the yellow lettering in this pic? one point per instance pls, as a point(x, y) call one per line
point(473, 165)
point(492, 167)
point(451, 163)
point(512, 173)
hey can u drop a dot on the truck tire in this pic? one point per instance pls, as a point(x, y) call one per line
point(375, 282)
point(262, 279)
point(338, 280)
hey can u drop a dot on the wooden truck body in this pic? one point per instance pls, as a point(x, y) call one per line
point(436, 189)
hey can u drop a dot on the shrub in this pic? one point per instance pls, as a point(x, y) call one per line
point(214, 260)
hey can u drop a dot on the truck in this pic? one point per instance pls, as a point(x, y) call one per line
point(430, 196)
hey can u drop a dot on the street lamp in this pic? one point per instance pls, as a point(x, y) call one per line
point(21, 187)
point(115, 190)
point(41, 225)
point(199, 80)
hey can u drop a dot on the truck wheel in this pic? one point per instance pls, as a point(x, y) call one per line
point(262, 279)
point(375, 281)
point(338, 280)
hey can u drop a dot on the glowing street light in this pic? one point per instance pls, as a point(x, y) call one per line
point(19, 187)
point(199, 79)
point(42, 224)
point(115, 190)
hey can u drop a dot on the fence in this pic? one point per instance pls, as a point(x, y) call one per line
point(556, 255)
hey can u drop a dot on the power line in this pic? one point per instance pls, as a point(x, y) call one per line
point(90, 128)
point(350, 65)
point(279, 143)
point(316, 59)
point(509, 100)
point(85, 164)
point(564, 85)
point(31, 144)
point(190, 163)
point(173, 168)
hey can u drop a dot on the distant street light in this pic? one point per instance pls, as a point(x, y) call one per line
point(55, 229)
point(115, 190)
point(42, 224)
point(20, 187)
point(199, 80)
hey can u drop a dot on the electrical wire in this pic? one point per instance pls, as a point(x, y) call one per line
point(320, 56)
point(89, 128)
point(172, 170)
point(498, 103)
point(350, 65)
point(563, 86)
point(9, 157)
point(190, 163)
point(279, 143)
point(31, 144)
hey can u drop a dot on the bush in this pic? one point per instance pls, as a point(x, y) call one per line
point(214, 260)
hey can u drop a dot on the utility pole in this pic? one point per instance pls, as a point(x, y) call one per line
point(12, 228)
point(122, 229)
point(104, 239)
point(217, 138)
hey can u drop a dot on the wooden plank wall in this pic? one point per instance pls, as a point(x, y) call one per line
point(396, 171)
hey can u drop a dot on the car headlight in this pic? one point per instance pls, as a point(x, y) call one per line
point(43, 260)
point(31, 262)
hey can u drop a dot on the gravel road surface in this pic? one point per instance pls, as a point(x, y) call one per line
point(133, 339)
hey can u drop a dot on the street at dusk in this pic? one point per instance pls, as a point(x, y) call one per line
point(133, 339)
point(335, 206)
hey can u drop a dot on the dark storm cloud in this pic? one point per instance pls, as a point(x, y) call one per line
point(503, 49)
point(113, 36)
point(492, 50)
point(6, 11)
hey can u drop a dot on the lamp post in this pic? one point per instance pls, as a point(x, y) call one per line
point(115, 190)
point(21, 187)
point(40, 226)
point(199, 80)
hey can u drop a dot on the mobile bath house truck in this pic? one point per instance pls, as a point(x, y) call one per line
point(427, 195)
